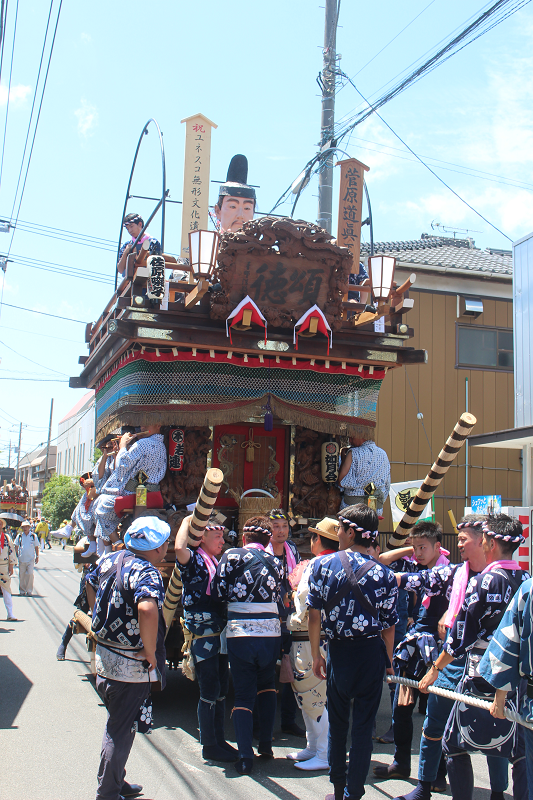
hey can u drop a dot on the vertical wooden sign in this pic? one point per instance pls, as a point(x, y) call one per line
point(350, 207)
point(194, 213)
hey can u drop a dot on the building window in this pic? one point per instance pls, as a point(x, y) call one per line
point(59, 463)
point(479, 347)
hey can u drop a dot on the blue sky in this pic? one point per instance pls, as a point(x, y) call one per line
point(251, 68)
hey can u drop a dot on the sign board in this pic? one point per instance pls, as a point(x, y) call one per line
point(288, 284)
point(350, 207)
point(487, 504)
point(195, 209)
point(176, 440)
point(524, 554)
point(400, 495)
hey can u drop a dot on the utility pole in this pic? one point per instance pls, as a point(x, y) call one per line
point(328, 77)
point(48, 443)
point(18, 452)
point(9, 457)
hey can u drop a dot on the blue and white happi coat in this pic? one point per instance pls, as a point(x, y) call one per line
point(509, 656)
point(148, 455)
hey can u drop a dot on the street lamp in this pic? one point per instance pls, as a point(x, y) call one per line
point(381, 269)
point(203, 251)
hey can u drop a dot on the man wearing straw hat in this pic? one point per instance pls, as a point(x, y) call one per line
point(353, 597)
point(310, 691)
point(7, 563)
point(204, 618)
point(27, 549)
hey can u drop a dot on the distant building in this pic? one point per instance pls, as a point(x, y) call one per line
point(32, 473)
point(463, 317)
point(6, 474)
point(75, 440)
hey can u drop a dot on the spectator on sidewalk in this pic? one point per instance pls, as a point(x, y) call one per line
point(43, 532)
point(27, 549)
point(7, 563)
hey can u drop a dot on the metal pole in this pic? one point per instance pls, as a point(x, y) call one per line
point(325, 178)
point(466, 445)
point(9, 457)
point(18, 453)
point(48, 443)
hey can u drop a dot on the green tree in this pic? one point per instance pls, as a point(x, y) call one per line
point(97, 455)
point(60, 498)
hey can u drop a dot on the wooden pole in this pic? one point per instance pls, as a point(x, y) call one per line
point(204, 505)
point(432, 480)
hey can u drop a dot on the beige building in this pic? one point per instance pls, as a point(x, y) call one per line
point(32, 472)
point(463, 317)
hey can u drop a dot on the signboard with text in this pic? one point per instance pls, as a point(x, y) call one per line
point(195, 208)
point(350, 207)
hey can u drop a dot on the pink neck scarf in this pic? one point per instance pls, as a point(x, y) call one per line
point(254, 546)
point(289, 555)
point(460, 583)
point(211, 564)
point(503, 564)
point(441, 562)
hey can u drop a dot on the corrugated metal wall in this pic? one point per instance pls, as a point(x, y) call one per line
point(438, 389)
point(523, 333)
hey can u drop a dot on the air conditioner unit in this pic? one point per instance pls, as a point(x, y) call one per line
point(469, 307)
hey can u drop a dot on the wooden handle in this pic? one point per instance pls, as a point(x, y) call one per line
point(204, 505)
point(433, 478)
point(406, 285)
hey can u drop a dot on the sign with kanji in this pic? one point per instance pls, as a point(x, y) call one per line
point(288, 284)
point(176, 440)
point(195, 178)
point(350, 207)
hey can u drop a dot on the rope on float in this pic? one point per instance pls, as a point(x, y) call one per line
point(461, 698)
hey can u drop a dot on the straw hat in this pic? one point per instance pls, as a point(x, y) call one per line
point(327, 527)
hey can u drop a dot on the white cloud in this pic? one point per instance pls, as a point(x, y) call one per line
point(18, 94)
point(87, 116)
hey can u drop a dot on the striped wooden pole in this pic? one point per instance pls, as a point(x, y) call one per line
point(432, 479)
point(204, 505)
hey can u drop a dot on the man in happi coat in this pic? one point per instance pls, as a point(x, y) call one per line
point(287, 552)
point(310, 691)
point(125, 592)
point(148, 455)
point(7, 564)
point(353, 598)
point(448, 583)
point(106, 463)
point(415, 652)
point(487, 596)
point(508, 660)
point(249, 579)
point(204, 618)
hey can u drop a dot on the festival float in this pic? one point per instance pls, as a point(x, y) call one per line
point(13, 499)
point(250, 349)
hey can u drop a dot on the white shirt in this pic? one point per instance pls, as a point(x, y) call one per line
point(27, 544)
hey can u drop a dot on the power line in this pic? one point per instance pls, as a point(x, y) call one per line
point(37, 120)
point(45, 314)
point(63, 269)
point(427, 165)
point(9, 89)
point(33, 104)
point(33, 362)
point(450, 49)
point(39, 334)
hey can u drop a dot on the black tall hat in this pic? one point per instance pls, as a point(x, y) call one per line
point(236, 180)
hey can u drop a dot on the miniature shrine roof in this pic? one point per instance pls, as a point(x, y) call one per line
point(442, 251)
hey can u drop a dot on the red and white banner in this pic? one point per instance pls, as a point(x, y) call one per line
point(238, 312)
point(305, 321)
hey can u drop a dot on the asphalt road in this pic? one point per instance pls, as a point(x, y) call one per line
point(51, 720)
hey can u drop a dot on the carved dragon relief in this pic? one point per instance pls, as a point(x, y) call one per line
point(227, 443)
